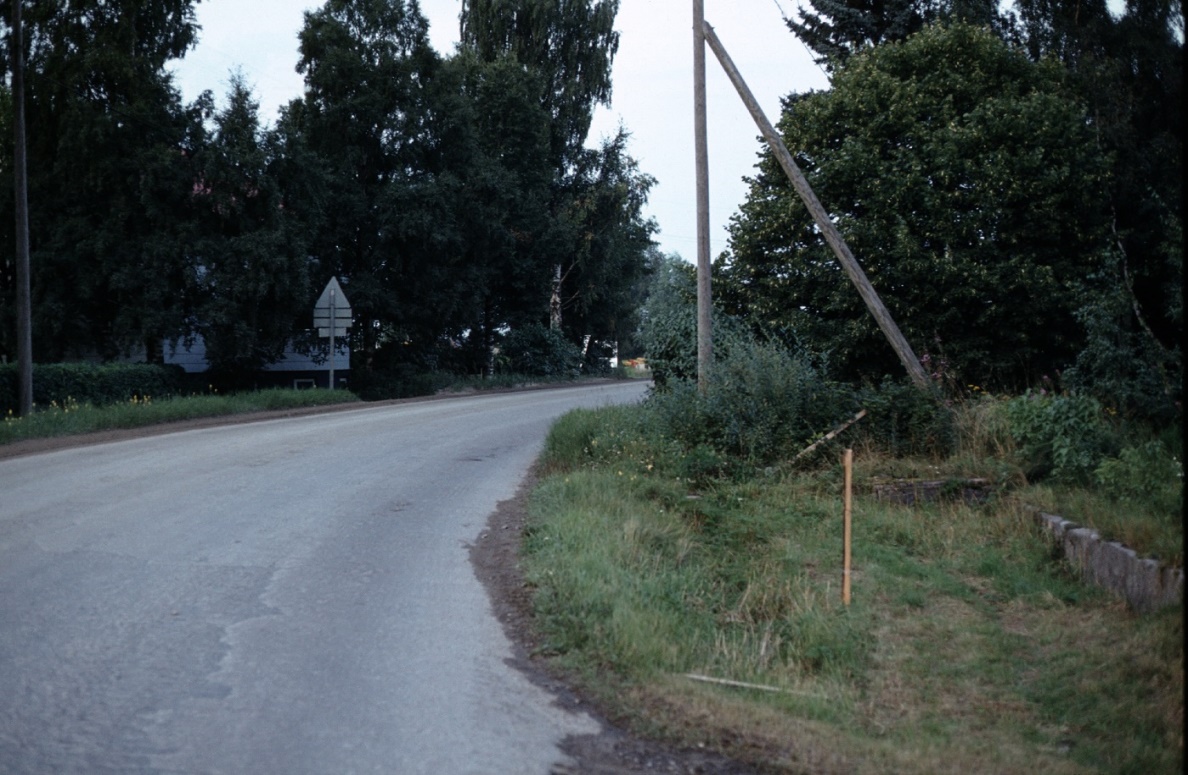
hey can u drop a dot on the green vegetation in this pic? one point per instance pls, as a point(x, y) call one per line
point(977, 174)
point(70, 417)
point(91, 383)
point(967, 646)
point(453, 194)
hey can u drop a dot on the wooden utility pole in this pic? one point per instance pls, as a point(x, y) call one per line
point(705, 304)
point(21, 184)
point(830, 232)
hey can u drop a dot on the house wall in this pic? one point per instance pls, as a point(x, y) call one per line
point(292, 370)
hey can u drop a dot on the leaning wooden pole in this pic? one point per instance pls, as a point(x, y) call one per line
point(832, 235)
point(705, 341)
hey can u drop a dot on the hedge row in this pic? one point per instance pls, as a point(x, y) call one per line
point(89, 383)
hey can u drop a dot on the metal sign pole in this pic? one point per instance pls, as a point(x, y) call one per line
point(333, 315)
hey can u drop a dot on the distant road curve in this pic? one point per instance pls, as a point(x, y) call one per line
point(284, 596)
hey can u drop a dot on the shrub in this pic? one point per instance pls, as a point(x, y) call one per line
point(1148, 473)
point(904, 421)
point(1063, 436)
point(1122, 365)
point(396, 380)
point(538, 351)
point(90, 383)
point(762, 404)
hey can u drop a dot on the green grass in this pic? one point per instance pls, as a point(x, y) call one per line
point(967, 646)
point(73, 419)
point(1149, 528)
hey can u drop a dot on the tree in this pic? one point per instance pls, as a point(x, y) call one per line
point(110, 174)
point(598, 194)
point(605, 269)
point(969, 185)
point(363, 117)
point(251, 269)
point(836, 29)
point(1128, 69)
point(571, 44)
point(488, 181)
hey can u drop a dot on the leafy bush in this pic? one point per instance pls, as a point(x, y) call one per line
point(397, 380)
point(1149, 473)
point(669, 329)
point(1121, 365)
point(90, 383)
point(762, 404)
point(538, 351)
point(1063, 436)
point(904, 421)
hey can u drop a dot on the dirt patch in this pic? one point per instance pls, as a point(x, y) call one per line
point(496, 560)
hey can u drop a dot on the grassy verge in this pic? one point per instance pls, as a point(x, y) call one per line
point(1153, 532)
point(73, 418)
point(967, 647)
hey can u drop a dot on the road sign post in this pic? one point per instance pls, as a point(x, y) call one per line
point(332, 314)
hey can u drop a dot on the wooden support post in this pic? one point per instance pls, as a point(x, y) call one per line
point(824, 223)
point(705, 342)
point(847, 509)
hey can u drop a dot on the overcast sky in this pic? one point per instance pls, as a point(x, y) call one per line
point(653, 87)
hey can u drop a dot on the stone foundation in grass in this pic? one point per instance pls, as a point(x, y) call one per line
point(1145, 583)
point(909, 492)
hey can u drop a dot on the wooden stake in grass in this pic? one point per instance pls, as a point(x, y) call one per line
point(849, 466)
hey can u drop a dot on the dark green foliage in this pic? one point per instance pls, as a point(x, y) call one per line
point(1064, 436)
point(1125, 62)
point(607, 242)
point(967, 182)
point(535, 350)
point(1123, 364)
point(597, 237)
point(571, 45)
point(363, 118)
point(763, 404)
point(837, 29)
point(251, 283)
point(1149, 472)
point(109, 150)
point(668, 330)
point(903, 421)
point(444, 193)
point(88, 383)
point(400, 380)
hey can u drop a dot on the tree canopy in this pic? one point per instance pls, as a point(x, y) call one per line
point(110, 174)
point(1124, 63)
point(443, 191)
point(965, 179)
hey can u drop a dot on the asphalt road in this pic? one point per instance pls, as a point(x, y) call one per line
point(289, 596)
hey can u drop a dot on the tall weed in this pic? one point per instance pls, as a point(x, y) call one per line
point(762, 404)
point(1064, 436)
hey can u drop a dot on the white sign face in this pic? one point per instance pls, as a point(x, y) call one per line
point(340, 300)
point(332, 302)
